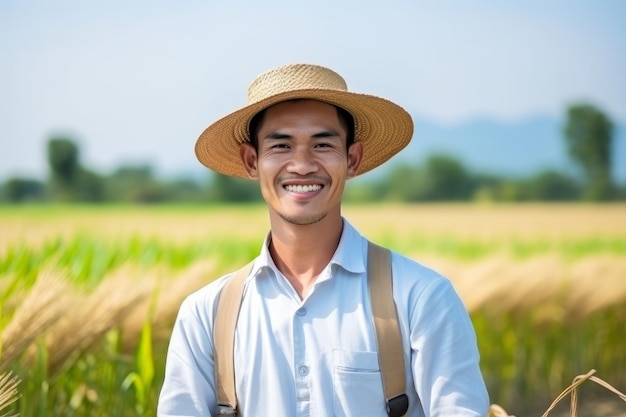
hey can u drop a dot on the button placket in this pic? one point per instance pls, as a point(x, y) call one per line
point(301, 369)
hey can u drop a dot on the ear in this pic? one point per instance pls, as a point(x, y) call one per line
point(355, 155)
point(249, 159)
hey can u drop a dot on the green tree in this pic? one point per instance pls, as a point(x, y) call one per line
point(185, 190)
point(18, 190)
point(234, 190)
point(63, 159)
point(69, 180)
point(552, 185)
point(445, 178)
point(135, 184)
point(441, 178)
point(90, 187)
point(401, 184)
point(64, 167)
point(589, 135)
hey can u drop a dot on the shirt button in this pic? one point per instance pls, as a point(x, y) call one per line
point(301, 312)
point(303, 370)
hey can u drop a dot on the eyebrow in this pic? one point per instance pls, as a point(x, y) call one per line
point(328, 133)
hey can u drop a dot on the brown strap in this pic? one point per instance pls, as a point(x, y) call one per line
point(390, 351)
point(226, 317)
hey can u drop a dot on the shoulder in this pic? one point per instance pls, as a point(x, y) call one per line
point(417, 283)
point(201, 304)
point(409, 272)
point(427, 301)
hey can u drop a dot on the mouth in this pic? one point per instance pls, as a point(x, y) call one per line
point(308, 188)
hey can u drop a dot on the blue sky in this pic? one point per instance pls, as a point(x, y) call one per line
point(137, 81)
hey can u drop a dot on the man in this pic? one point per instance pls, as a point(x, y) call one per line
point(304, 342)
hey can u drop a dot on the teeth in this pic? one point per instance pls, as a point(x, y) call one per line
point(303, 188)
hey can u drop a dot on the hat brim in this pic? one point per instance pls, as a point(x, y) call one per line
point(383, 127)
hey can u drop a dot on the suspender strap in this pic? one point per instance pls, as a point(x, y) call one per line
point(224, 341)
point(390, 351)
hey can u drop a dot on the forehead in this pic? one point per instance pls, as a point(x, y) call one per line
point(301, 107)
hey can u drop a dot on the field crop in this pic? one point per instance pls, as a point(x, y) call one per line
point(88, 295)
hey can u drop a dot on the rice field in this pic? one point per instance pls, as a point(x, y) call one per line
point(88, 295)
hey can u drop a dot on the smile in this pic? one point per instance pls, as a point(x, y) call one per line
point(303, 188)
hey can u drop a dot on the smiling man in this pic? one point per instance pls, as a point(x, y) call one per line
point(305, 343)
point(302, 161)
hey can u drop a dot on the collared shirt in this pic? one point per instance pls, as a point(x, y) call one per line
point(317, 356)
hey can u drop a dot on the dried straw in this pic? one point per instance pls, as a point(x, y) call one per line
point(116, 297)
point(44, 305)
point(548, 285)
point(8, 390)
point(169, 294)
point(496, 411)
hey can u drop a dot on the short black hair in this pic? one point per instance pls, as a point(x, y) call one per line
point(345, 118)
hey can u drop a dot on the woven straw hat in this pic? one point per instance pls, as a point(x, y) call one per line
point(383, 127)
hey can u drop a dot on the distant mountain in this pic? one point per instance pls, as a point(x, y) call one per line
point(515, 149)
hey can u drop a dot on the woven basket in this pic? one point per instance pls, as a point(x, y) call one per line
point(497, 411)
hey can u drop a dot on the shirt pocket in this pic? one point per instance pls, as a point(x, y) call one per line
point(357, 384)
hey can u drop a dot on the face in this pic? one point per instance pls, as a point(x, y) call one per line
point(302, 162)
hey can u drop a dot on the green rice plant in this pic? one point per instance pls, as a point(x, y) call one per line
point(143, 378)
point(36, 387)
point(527, 362)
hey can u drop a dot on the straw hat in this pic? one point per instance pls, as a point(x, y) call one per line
point(383, 127)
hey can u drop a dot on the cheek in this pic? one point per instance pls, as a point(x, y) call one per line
point(266, 166)
point(271, 160)
point(268, 170)
point(339, 161)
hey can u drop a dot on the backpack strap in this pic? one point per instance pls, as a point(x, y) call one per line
point(389, 338)
point(390, 351)
point(226, 317)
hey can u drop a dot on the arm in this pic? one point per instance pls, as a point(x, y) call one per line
point(189, 384)
point(444, 354)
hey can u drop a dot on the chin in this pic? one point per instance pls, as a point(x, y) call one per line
point(303, 220)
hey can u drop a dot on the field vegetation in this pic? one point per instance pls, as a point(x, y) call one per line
point(88, 295)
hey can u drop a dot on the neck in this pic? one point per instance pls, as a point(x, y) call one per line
point(302, 252)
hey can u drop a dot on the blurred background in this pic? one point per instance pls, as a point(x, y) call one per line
point(103, 101)
point(108, 221)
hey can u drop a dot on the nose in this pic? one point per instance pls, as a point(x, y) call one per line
point(302, 161)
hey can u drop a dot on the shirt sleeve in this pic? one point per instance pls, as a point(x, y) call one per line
point(444, 354)
point(189, 384)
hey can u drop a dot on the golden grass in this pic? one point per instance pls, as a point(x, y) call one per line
point(169, 292)
point(174, 225)
point(493, 221)
point(547, 285)
point(91, 315)
point(44, 305)
point(463, 221)
point(71, 320)
point(8, 390)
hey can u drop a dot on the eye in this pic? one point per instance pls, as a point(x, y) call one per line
point(323, 145)
point(279, 146)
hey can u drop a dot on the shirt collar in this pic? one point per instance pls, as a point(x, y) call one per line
point(350, 254)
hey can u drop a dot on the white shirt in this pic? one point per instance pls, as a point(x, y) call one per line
point(318, 356)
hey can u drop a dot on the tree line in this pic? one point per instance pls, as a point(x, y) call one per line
point(587, 131)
